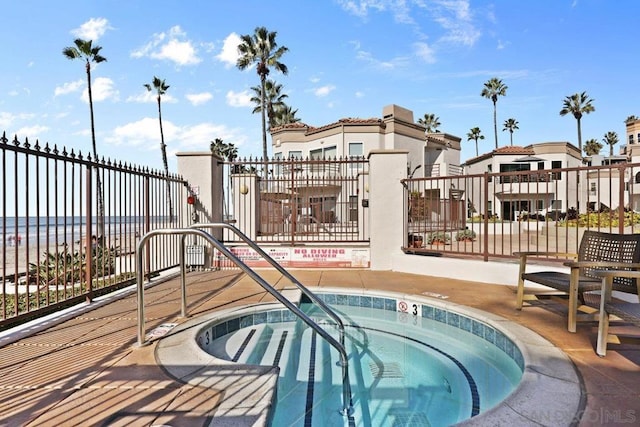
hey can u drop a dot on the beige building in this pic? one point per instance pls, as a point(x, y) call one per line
point(513, 194)
point(433, 154)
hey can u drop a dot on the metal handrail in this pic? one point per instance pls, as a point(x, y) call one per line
point(347, 407)
point(313, 297)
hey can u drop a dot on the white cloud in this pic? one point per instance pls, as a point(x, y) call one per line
point(172, 46)
point(145, 133)
point(229, 53)
point(31, 132)
point(146, 97)
point(101, 90)
point(7, 119)
point(68, 87)
point(93, 29)
point(359, 94)
point(425, 52)
point(199, 98)
point(239, 99)
point(323, 90)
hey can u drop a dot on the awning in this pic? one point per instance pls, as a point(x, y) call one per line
point(528, 159)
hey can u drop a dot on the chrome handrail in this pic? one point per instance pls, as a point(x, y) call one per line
point(313, 297)
point(347, 407)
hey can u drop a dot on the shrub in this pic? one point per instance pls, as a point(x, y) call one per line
point(438, 237)
point(465, 235)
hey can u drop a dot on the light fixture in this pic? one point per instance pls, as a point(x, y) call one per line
point(244, 190)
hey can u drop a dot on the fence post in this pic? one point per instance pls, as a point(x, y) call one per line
point(88, 238)
point(485, 248)
point(621, 194)
point(387, 206)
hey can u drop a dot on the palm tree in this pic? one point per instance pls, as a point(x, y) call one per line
point(631, 118)
point(592, 147)
point(431, 122)
point(475, 134)
point(161, 88)
point(492, 90)
point(274, 99)
point(510, 125)
point(85, 50)
point(611, 139)
point(284, 115)
point(577, 104)
point(262, 49)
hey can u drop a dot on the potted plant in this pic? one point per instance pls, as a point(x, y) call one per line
point(415, 240)
point(438, 238)
point(465, 235)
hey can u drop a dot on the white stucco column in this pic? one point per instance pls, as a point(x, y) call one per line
point(387, 205)
point(204, 173)
point(246, 207)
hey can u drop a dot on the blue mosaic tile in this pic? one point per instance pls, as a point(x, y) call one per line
point(274, 316)
point(440, 315)
point(377, 303)
point(477, 329)
point(519, 359)
point(220, 330)
point(246, 321)
point(366, 302)
point(453, 319)
point(501, 341)
point(490, 334)
point(390, 304)
point(233, 325)
point(288, 316)
point(330, 298)
point(259, 318)
point(354, 301)
point(342, 300)
point(427, 311)
point(465, 323)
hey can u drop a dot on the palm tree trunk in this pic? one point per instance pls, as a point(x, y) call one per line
point(163, 149)
point(511, 137)
point(264, 123)
point(100, 201)
point(495, 124)
point(476, 147)
point(579, 137)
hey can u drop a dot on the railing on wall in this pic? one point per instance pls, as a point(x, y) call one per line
point(492, 215)
point(298, 201)
point(62, 242)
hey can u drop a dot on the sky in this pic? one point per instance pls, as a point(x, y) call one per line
point(345, 58)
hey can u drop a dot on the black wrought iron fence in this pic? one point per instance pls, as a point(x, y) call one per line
point(295, 200)
point(65, 238)
point(497, 214)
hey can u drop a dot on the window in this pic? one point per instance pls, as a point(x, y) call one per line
point(592, 188)
point(490, 169)
point(355, 152)
point(514, 167)
point(297, 155)
point(631, 139)
point(356, 149)
point(540, 166)
point(489, 208)
point(556, 205)
point(539, 205)
point(638, 178)
point(323, 153)
point(353, 208)
point(556, 164)
point(278, 164)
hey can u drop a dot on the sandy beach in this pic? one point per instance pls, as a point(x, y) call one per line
point(15, 259)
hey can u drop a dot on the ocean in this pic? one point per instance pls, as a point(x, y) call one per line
point(19, 230)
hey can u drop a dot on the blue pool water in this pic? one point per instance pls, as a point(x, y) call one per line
point(411, 364)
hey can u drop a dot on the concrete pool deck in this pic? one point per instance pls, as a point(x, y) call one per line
point(87, 369)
